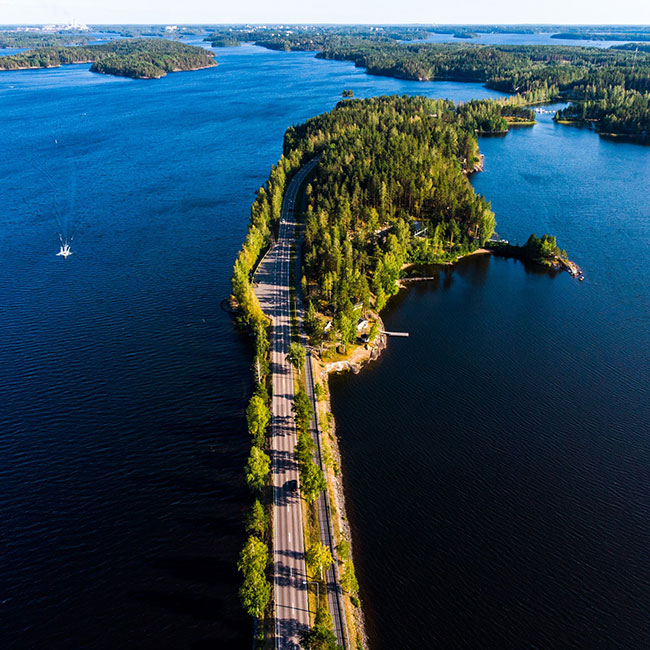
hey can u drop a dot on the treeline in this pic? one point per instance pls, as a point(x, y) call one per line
point(618, 36)
point(223, 41)
point(314, 37)
point(536, 74)
point(390, 166)
point(641, 47)
point(264, 217)
point(138, 58)
point(138, 31)
point(256, 590)
point(615, 110)
point(39, 39)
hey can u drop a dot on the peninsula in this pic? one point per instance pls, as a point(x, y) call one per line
point(360, 192)
point(139, 58)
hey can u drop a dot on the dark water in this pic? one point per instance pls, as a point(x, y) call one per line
point(498, 460)
point(122, 382)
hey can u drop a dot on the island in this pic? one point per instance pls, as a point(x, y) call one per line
point(139, 58)
point(607, 88)
point(599, 36)
point(41, 39)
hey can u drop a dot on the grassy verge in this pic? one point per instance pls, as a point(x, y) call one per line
point(332, 469)
point(293, 311)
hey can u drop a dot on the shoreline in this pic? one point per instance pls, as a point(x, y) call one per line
point(336, 489)
point(355, 363)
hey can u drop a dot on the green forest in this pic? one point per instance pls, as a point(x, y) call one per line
point(149, 58)
point(391, 188)
point(607, 86)
point(390, 167)
point(613, 84)
point(40, 39)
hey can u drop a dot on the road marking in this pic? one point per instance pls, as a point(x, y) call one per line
point(290, 537)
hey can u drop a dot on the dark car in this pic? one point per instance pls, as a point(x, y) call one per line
point(292, 486)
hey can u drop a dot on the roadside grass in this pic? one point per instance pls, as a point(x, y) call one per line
point(332, 469)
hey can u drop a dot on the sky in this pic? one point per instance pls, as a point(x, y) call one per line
point(331, 11)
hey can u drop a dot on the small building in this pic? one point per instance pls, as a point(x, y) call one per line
point(362, 324)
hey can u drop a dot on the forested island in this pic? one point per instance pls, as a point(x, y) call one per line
point(539, 250)
point(40, 39)
point(612, 36)
point(606, 87)
point(141, 58)
point(610, 87)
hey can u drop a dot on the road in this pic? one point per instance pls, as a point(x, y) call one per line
point(289, 575)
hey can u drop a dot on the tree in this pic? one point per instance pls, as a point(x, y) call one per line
point(257, 417)
point(321, 636)
point(311, 320)
point(349, 579)
point(318, 557)
point(296, 356)
point(343, 549)
point(312, 481)
point(303, 409)
point(374, 331)
point(256, 521)
point(304, 450)
point(257, 469)
point(318, 336)
point(254, 556)
point(255, 593)
point(347, 327)
point(256, 589)
point(320, 392)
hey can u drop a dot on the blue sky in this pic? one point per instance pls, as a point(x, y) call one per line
point(336, 11)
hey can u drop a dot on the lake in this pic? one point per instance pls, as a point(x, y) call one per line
point(122, 435)
point(497, 462)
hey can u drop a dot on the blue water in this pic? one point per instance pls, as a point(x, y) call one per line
point(8, 51)
point(122, 437)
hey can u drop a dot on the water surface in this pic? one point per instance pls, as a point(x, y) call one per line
point(122, 436)
point(497, 461)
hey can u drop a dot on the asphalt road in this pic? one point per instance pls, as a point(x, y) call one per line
point(272, 289)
